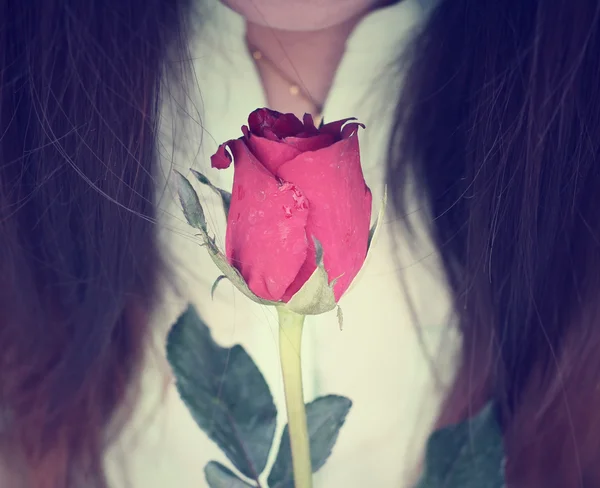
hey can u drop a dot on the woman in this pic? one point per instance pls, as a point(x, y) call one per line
point(497, 127)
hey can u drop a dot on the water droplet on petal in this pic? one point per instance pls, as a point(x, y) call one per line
point(287, 211)
point(252, 217)
point(300, 201)
point(285, 186)
point(284, 231)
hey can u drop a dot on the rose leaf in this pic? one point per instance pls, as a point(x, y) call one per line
point(190, 203)
point(469, 455)
point(374, 231)
point(225, 393)
point(218, 476)
point(224, 195)
point(325, 417)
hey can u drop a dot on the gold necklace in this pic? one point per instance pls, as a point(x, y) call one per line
point(294, 88)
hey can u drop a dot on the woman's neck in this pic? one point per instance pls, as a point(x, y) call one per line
point(306, 59)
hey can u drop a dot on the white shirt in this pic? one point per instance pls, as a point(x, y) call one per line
point(378, 360)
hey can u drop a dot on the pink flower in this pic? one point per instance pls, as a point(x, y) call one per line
point(294, 183)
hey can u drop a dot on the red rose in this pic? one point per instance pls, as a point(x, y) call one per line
point(294, 182)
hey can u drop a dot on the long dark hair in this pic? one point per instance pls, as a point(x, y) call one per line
point(79, 93)
point(500, 126)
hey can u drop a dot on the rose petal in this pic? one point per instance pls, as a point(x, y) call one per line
point(304, 273)
point(287, 125)
point(314, 143)
point(270, 135)
point(271, 154)
point(350, 129)
point(334, 128)
point(282, 125)
point(340, 214)
point(266, 227)
point(309, 125)
point(221, 159)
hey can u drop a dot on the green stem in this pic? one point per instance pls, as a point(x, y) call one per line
point(290, 339)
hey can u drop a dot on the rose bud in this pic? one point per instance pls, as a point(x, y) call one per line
point(296, 188)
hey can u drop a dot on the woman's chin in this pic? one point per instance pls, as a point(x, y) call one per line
point(300, 15)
